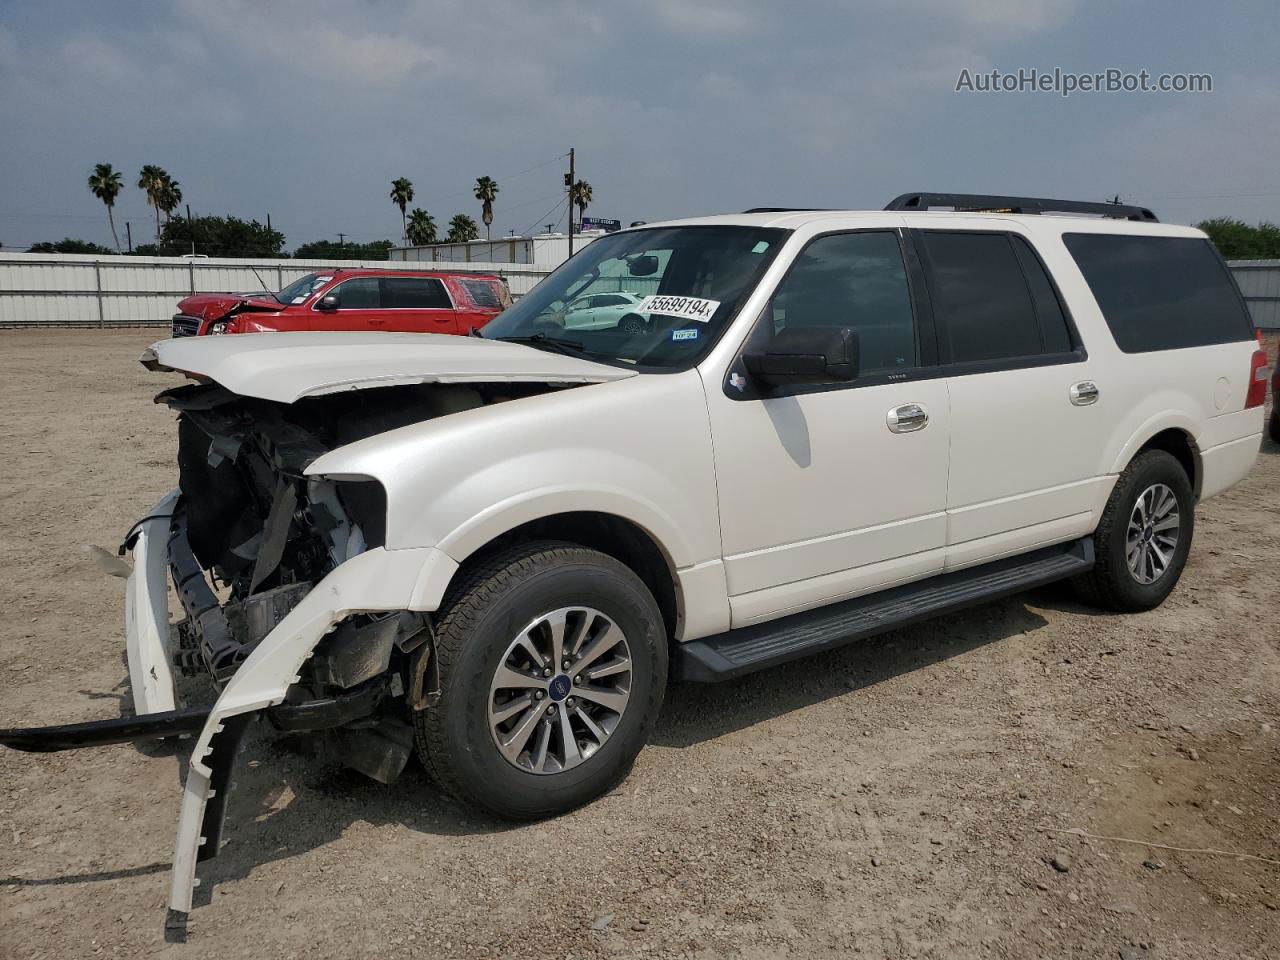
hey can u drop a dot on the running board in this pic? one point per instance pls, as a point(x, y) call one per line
point(737, 652)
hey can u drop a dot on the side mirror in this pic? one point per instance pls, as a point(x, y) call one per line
point(645, 265)
point(806, 355)
point(328, 302)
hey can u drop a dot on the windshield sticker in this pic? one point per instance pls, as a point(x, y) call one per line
point(689, 334)
point(686, 308)
point(760, 247)
point(298, 300)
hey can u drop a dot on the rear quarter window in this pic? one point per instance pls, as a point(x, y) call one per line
point(1160, 293)
point(483, 293)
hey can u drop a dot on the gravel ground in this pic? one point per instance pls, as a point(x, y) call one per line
point(917, 795)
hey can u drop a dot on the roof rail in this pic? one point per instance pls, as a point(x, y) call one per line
point(979, 202)
point(785, 210)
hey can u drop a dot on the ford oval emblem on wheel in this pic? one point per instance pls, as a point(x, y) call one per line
point(559, 688)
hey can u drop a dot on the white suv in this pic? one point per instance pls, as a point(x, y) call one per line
point(495, 548)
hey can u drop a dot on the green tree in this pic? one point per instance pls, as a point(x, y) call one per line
point(421, 229)
point(69, 245)
point(402, 196)
point(169, 198)
point(486, 193)
point(1236, 240)
point(215, 237)
point(328, 250)
point(153, 179)
point(462, 228)
point(106, 184)
point(580, 197)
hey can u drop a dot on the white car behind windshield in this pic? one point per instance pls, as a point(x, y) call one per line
point(605, 311)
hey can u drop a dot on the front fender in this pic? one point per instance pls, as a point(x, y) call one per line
point(638, 448)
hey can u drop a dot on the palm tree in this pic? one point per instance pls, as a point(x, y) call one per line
point(402, 196)
point(170, 197)
point(580, 197)
point(421, 229)
point(153, 179)
point(462, 228)
point(106, 185)
point(486, 193)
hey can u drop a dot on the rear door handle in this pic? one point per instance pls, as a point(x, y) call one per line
point(907, 418)
point(1083, 393)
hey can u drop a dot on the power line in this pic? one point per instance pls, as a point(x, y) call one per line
point(543, 219)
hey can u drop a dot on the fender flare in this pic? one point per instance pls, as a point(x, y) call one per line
point(506, 515)
point(1168, 420)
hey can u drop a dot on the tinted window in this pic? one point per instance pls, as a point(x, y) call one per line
point(359, 294)
point(980, 294)
point(410, 293)
point(1160, 293)
point(1053, 319)
point(854, 280)
point(610, 301)
point(483, 293)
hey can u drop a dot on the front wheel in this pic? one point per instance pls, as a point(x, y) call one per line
point(1144, 536)
point(552, 664)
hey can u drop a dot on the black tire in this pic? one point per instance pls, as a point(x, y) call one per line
point(480, 615)
point(1111, 584)
point(633, 324)
point(1273, 427)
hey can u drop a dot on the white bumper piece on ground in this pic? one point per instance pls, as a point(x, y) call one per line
point(377, 580)
point(146, 613)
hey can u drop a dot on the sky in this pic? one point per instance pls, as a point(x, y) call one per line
point(307, 110)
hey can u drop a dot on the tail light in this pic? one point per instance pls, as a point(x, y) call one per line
point(1257, 392)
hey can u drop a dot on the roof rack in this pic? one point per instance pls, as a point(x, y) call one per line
point(979, 202)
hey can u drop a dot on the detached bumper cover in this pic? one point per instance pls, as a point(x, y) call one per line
point(146, 613)
point(377, 580)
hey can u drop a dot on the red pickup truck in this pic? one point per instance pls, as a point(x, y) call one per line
point(401, 301)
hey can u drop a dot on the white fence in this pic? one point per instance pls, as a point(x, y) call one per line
point(39, 290)
point(1260, 283)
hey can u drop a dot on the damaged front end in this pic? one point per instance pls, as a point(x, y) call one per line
point(294, 610)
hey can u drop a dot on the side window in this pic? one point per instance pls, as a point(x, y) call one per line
point(609, 300)
point(1160, 293)
point(413, 293)
point(483, 293)
point(360, 293)
point(854, 280)
point(979, 291)
point(1053, 319)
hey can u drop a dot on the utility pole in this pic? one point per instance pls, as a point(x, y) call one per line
point(568, 182)
point(191, 231)
point(128, 233)
point(342, 240)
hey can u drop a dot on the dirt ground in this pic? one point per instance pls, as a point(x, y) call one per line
point(901, 798)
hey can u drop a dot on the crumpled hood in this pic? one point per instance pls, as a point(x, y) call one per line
point(289, 366)
point(214, 306)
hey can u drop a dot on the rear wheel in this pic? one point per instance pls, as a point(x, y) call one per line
point(552, 663)
point(1144, 536)
point(1274, 425)
point(632, 324)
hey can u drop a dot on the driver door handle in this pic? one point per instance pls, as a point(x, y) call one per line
point(907, 418)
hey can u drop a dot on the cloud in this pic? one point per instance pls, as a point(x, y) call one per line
point(707, 17)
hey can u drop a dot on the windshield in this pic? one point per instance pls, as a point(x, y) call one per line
point(300, 289)
point(657, 297)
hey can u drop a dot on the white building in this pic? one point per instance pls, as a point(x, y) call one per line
point(544, 249)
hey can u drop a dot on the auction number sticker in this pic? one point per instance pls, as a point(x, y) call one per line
point(687, 308)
